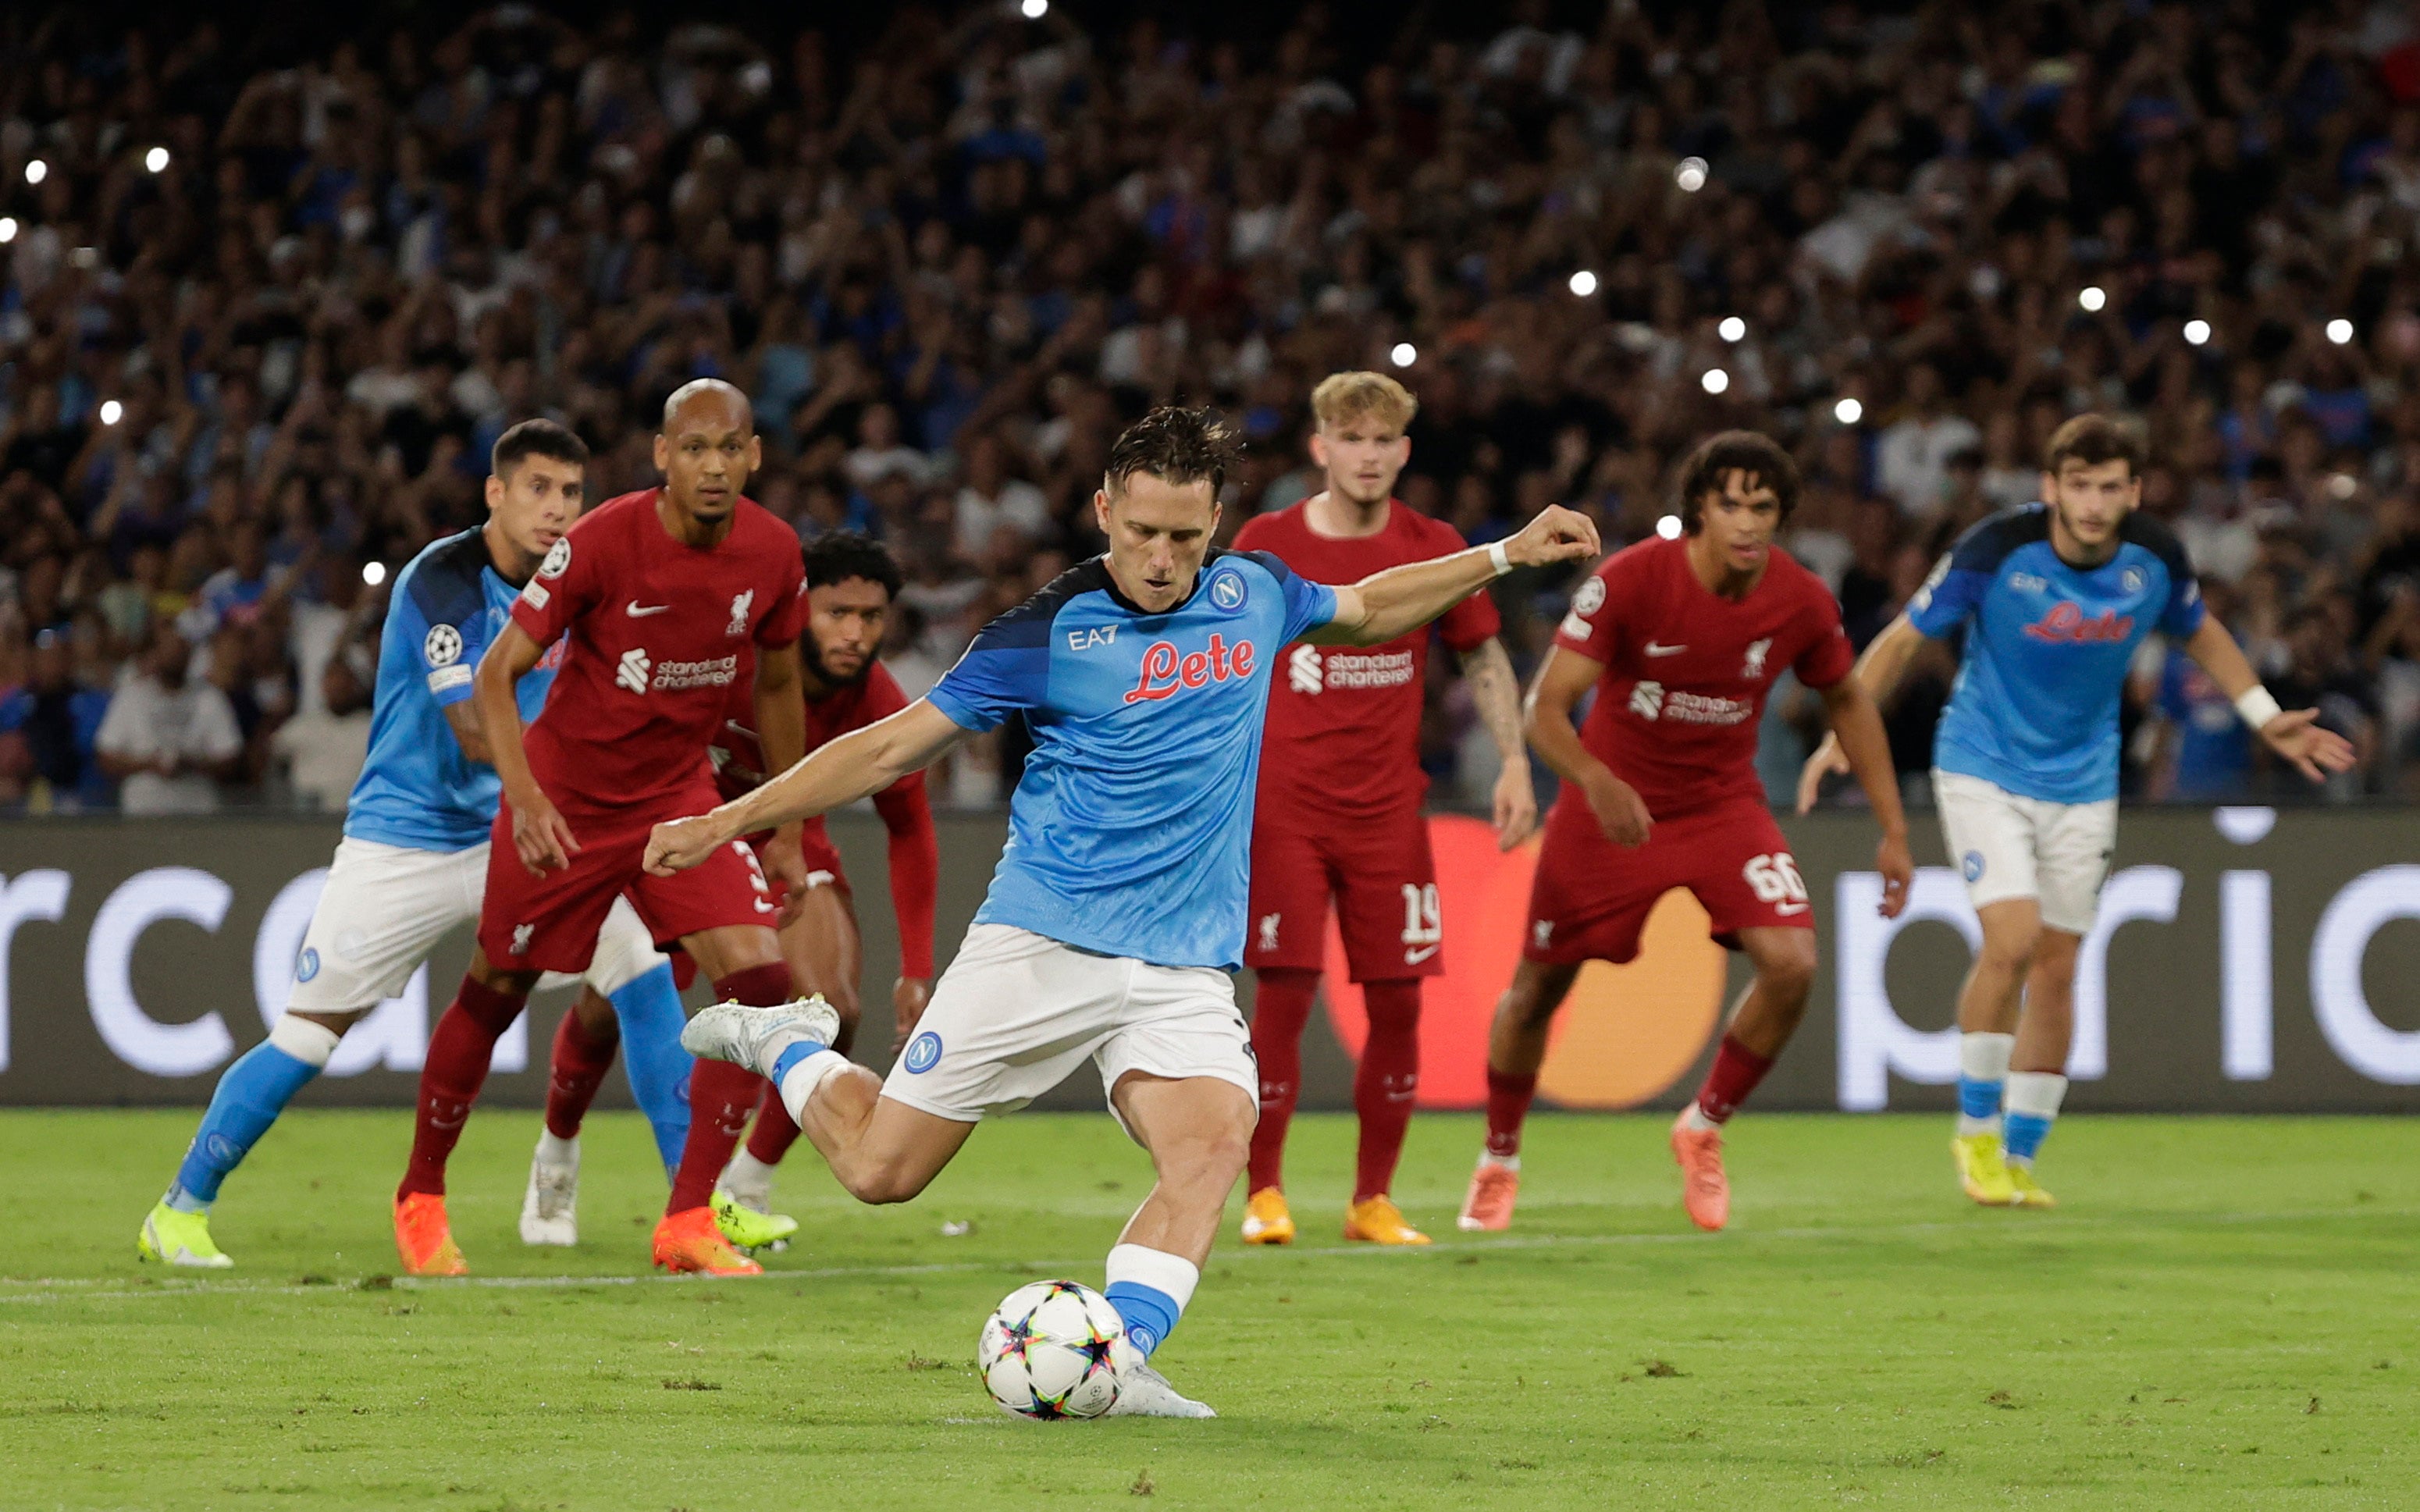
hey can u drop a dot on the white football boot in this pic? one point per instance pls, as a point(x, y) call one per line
point(550, 1205)
point(756, 1037)
point(1143, 1391)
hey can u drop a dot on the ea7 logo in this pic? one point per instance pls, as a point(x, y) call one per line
point(1647, 700)
point(632, 672)
point(1093, 638)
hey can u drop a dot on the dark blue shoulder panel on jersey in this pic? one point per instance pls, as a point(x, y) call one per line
point(446, 588)
point(1990, 541)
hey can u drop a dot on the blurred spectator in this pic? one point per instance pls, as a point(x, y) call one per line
point(168, 738)
point(321, 750)
point(47, 730)
point(950, 252)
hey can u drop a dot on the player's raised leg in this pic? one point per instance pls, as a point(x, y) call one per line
point(1767, 1014)
point(822, 950)
point(1517, 1047)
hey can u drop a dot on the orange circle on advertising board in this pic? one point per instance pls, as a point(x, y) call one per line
point(1626, 1032)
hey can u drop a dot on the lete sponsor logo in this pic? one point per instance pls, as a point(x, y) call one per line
point(1167, 672)
point(2067, 625)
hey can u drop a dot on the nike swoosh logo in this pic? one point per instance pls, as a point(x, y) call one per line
point(640, 611)
point(1654, 649)
point(1789, 908)
point(1413, 958)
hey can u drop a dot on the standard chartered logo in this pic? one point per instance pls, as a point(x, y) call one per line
point(632, 674)
point(1303, 672)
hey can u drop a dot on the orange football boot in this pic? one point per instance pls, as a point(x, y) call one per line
point(1488, 1207)
point(424, 1239)
point(1704, 1190)
point(690, 1240)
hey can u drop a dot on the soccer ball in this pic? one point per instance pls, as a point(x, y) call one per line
point(1054, 1350)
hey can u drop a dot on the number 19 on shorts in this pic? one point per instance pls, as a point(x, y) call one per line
point(1423, 921)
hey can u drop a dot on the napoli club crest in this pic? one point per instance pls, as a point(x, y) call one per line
point(308, 966)
point(1227, 591)
point(1971, 864)
point(924, 1053)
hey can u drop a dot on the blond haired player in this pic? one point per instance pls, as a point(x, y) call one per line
point(1338, 808)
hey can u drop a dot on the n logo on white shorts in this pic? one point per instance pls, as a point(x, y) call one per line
point(924, 1053)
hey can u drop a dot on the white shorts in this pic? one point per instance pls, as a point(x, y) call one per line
point(2009, 846)
point(1016, 1011)
point(384, 907)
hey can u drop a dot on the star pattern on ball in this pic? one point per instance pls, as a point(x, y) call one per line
point(1015, 1338)
point(1096, 1351)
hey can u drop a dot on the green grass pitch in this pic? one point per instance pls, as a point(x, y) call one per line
point(2221, 1315)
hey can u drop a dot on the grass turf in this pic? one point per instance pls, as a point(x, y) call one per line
point(2221, 1316)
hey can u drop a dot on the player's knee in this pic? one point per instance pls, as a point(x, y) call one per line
point(1787, 973)
point(884, 1182)
point(2011, 955)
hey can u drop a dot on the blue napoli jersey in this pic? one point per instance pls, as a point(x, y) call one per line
point(417, 789)
point(2035, 707)
point(1130, 833)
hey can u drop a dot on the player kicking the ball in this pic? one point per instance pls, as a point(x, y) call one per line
point(1681, 638)
point(1339, 808)
point(414, 856)
point(1117, 908)
point(2057, 597)
point(851, 581)
point(670, 597)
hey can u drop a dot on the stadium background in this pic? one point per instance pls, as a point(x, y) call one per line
point(268, 291)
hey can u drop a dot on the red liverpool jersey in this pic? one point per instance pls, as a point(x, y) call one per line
point(1686, 671)
point(739, 761)
point(660, 634)
point(1344, 721)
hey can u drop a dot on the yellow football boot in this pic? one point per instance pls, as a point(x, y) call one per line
point(1376, 1221)
point(1982, 1170)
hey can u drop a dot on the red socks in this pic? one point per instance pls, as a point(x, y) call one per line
point(721, 1095)
point(1733, 1075)
point(1280, 1008)
point(1387, 1082)
point(575, 1068)
point(1508, 1103)
point(775, 1130)
point(451, 1076)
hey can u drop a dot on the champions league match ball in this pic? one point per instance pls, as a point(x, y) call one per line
point(1054, 1350)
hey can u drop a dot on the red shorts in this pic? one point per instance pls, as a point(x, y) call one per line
point(815, 848)
point(1591, 897)
point(1384, 881)
point(549, 923)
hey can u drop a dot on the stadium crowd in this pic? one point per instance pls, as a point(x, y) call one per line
point(262, 314)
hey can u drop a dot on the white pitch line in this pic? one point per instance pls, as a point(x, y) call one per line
point(72, 1288)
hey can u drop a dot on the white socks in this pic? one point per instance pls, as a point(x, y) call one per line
point(2037, 1093)
point(799, 1082)
point(308, 1042)
point(1982, 1066)
point(559, 1154)
point(748, 1178)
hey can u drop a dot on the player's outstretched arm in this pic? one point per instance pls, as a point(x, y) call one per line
point(1857, 728)
point(1400, 600)
point(541, 838)
point(1567, 676)
point(1878, 673)
point(2290, 732)
point(841, 771)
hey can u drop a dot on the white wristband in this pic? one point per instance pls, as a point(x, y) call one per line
point(2256, 706)
point(1496, 554)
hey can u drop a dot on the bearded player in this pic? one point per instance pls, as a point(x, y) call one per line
point(670, 597)
point(2058, 596)
point(1682, 639)
point(851, 581)
point(1339, 809)
point(1117, 908)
